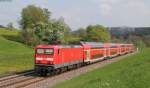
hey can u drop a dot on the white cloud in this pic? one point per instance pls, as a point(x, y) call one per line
point(108, 7)
point(105, 9)
point(138, 7)
point(106, 1)
point(109, 1)
point(72, 16)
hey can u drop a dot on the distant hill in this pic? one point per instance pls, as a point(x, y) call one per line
point(126, 31)
point(131, 34)
point(1, 26)
point(142, 31)
point(13, 35)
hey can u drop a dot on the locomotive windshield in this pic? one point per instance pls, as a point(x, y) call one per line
point(45, 51)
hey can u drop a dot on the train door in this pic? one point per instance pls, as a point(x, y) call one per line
point(87, 53)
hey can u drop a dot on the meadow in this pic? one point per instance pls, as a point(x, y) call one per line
point(130, 72)
point(14, 56)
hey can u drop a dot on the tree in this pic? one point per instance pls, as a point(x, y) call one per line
point(137, 41)
point(34, 21)
point(58, 30)
point(81, 33)
point(10, 26)
point(97, 33)
point(31, 15)
point(146, 40)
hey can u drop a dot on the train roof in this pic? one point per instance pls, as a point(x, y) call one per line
point(91, 44)
point(94, 44)
point(58, 46)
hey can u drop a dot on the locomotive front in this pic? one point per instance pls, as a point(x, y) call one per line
point(44, 59)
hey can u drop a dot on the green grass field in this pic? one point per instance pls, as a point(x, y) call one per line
point(131, 72)
point(4, 32)
point(10, 35)
point(14, 56)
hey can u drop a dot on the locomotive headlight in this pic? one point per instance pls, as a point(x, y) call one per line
point(49, 59)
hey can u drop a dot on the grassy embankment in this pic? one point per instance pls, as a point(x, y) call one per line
point(14, 56)
point(131, 72)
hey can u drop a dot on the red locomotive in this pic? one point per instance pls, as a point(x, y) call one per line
point(54, 58)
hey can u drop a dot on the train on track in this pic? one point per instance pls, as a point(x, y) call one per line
point(56, 58)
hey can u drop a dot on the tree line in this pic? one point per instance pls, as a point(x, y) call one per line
point(140, 36)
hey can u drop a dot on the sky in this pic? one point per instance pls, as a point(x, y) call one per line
point(81, 13)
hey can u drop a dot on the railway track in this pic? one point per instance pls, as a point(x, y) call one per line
point(15, 75)
point(7, 81)
point(24, 79)
point(20, 80)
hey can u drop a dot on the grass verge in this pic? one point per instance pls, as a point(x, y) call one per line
point(14, 56)
point(131, 72)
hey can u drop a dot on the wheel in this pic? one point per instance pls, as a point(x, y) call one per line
point(43, 73)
